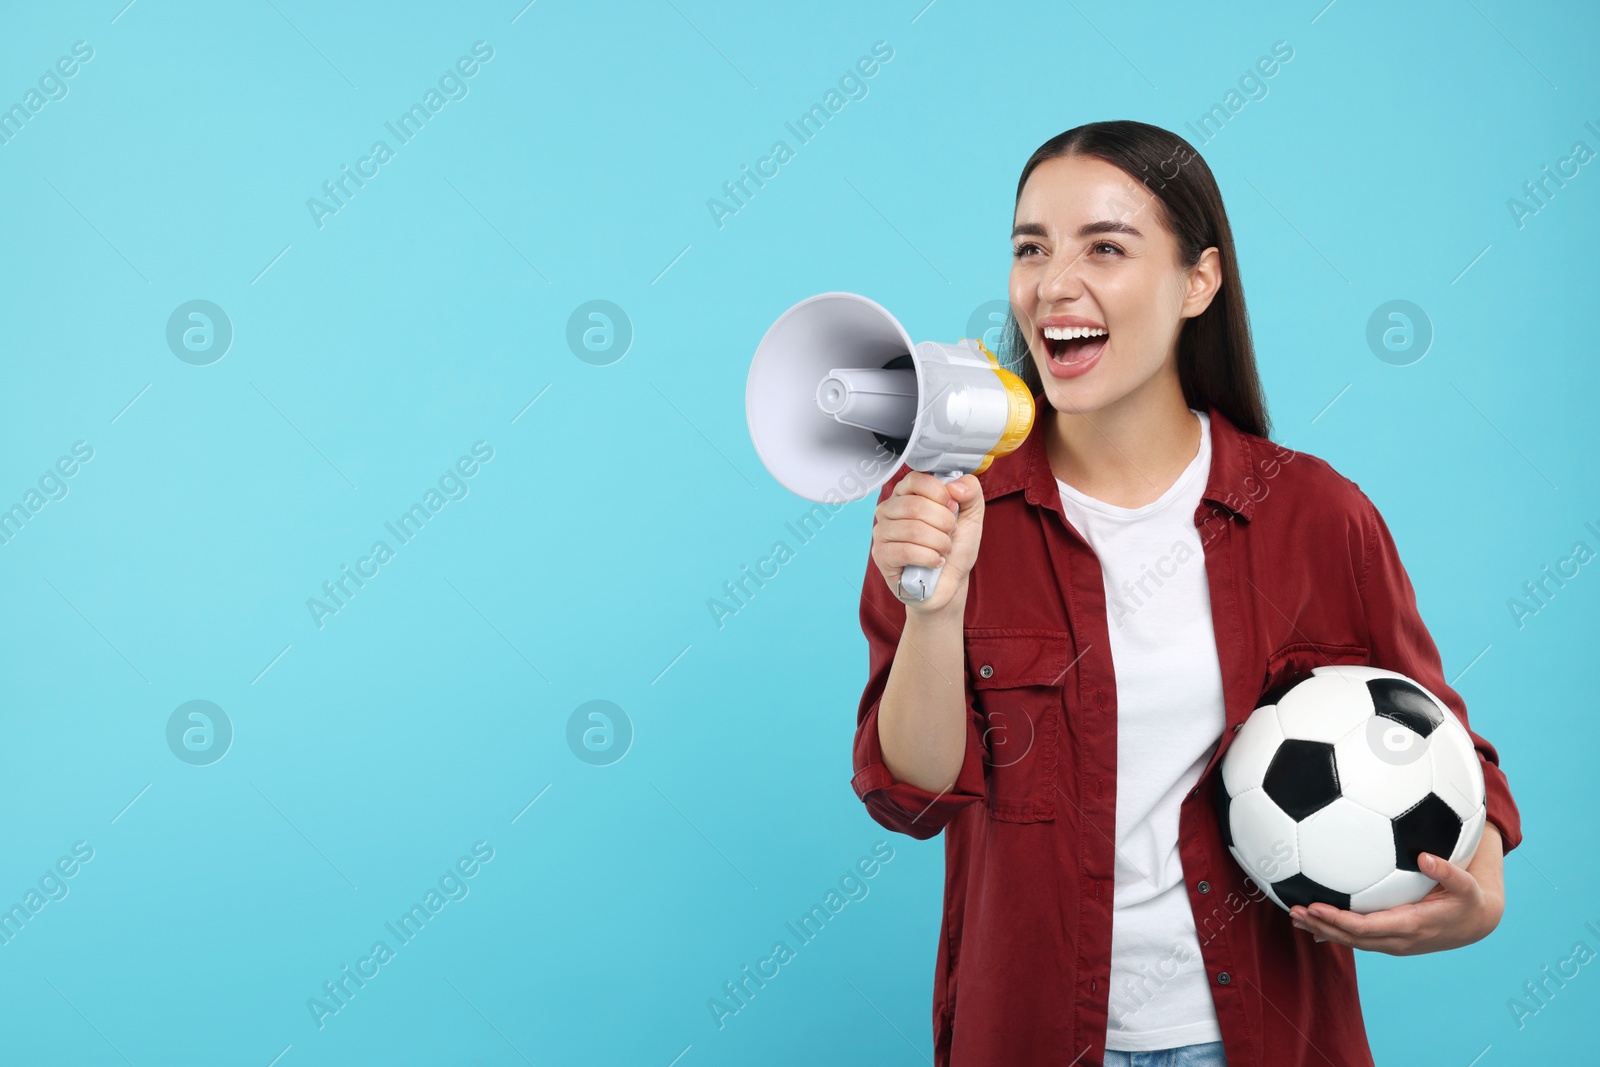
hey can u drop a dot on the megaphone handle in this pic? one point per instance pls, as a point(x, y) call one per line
point(917, 582)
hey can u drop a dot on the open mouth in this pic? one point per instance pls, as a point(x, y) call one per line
point(1069, 345)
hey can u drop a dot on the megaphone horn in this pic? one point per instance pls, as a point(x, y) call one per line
point(839, 396)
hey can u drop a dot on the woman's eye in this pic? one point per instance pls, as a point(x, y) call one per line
point(1022, 250)
point(1108, 244)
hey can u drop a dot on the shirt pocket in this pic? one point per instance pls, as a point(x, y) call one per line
point(1018, 678)
point(1294, 661)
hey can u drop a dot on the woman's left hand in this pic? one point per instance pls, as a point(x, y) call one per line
point(1464, 907)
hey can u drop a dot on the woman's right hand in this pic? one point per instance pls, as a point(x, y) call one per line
point(916, 526)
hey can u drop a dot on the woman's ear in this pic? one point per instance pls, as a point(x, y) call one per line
point(1205, 278)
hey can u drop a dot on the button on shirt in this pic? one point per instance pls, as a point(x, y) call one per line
point(1169, 720)
point(1300, 570)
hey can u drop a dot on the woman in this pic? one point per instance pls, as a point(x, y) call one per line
point(1058, 707)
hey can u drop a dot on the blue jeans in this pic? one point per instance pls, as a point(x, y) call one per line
point(1205, 1055)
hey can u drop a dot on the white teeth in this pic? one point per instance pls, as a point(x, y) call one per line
point(1068, 333)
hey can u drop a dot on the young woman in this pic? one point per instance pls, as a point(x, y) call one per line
point(1151, 565)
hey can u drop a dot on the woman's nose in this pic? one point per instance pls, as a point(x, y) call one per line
point(1060, 279)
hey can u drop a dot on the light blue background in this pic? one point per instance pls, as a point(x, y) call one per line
point(426, 315)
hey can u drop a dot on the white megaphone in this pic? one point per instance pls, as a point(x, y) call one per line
point(839, 396)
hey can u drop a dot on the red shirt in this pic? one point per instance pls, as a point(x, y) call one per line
point(1302, 571)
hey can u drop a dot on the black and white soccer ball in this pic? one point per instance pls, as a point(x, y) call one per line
point(1334, 786)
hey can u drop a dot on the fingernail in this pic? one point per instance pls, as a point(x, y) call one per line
point(1322, 939)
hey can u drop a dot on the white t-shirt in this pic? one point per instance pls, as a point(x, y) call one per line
point(1169, 720)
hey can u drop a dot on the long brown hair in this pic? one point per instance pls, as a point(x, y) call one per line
point(1216, 358)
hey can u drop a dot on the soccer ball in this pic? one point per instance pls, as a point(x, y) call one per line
point(1331, 790)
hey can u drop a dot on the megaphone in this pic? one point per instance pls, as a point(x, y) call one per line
point(839, 396)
